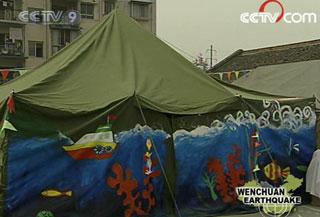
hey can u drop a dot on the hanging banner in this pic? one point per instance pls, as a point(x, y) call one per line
point(4, 74)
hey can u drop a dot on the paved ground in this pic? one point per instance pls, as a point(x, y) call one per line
point(302, 211)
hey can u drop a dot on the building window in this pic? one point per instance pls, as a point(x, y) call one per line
point(11, 43)
point(35, 48)
point(87, 10)
point(61, 38)
point(6, 10)
point(109, 5)
point(140, 10)
point(3, 38)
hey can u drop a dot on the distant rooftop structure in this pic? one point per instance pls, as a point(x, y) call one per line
point(251, 59)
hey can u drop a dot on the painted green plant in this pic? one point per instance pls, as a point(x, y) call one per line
point(210, 181)
point(45, 213)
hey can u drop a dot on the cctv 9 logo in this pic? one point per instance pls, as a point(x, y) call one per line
point(73, 17)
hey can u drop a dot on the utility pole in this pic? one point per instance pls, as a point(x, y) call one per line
point(211, 55)
point(203, 62)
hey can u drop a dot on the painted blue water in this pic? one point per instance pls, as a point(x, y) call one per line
point(37, 164)
point(195, 149)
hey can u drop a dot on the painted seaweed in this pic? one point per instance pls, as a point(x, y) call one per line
point(225, 183)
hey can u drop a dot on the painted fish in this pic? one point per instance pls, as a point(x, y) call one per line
point(274, 172)
point(147, 158)
point(149, 144)
point(56, 193)
point(148, 167)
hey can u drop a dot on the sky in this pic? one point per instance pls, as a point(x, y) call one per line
point(191, 26)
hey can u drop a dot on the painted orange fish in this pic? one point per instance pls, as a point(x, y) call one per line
point(56, 193)
point(274, 172)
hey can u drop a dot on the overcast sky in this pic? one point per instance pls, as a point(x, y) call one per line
point(192, 25)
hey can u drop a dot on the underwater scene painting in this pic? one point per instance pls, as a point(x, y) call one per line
point(273, 148)
point(54, 177)
point(107, 174)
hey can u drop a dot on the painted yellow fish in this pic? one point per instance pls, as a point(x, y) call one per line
point(55, 193)
point(149, 144)
point(274, 172)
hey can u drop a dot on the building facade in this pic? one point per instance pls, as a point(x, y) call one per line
point(28, 44)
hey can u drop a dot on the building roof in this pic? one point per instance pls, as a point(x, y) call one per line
point(300, 79)
point(251, 59)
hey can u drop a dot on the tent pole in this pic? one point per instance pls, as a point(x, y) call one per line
point(257, 112)
point(3, 158)
point(317, 110)
point(3, 165)
point(159, 159)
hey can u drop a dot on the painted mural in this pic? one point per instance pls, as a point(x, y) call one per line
point(270, 148)
point(118, 176)
point(111, 174)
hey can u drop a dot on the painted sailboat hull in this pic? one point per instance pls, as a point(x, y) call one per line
point(98, 146)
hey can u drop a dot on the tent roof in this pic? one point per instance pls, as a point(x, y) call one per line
point(301, 79)
point(113, 61)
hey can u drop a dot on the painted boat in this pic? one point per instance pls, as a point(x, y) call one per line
point(98, 146)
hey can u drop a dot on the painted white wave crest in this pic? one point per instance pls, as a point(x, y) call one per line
point(275, 116)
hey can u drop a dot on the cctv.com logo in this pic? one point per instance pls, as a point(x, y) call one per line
point(264, 17)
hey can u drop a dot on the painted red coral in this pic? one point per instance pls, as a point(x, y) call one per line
point(127, 185)
point(226, 183)
point(236, 172)
point(215, 166)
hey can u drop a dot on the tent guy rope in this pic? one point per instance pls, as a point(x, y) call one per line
point(160, 162)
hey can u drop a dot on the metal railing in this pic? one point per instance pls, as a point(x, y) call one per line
point(11, 49)
point(58, 47)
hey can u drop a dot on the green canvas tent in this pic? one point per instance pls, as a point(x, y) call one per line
point(298, 79)
point(119, 124)
point(131, 62)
